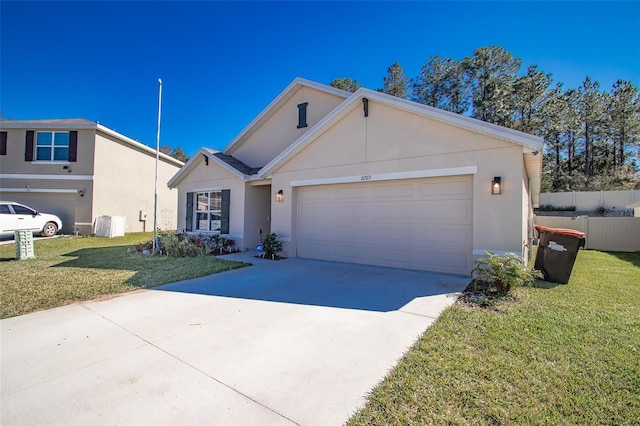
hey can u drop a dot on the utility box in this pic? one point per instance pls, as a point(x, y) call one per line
point(143, 215)
point(24, 245)
point(110, 226)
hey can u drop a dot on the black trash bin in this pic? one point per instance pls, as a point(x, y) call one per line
point(557, 251)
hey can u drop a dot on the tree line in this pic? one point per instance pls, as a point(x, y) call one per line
point(591, 136)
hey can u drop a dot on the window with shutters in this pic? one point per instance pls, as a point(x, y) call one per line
point(208, 211)
point(52, 146)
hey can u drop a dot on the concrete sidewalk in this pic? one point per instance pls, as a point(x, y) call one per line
point(287, 342)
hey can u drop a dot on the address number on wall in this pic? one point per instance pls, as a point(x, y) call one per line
point(365, 177)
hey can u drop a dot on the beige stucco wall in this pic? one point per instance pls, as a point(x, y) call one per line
point(124, 185)
point(215, 177)
point(50, 187)
point(280, 130)
point(393, 140)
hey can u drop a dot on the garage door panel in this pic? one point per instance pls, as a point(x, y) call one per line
point(421, 224)
point(382, 191)
point(395, 236)
point(441, 212)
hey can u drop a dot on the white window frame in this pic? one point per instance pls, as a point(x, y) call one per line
point(206, 210)
point(52, 146)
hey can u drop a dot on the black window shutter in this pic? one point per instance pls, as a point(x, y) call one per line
point(189, 216)
point(73, 146)
point(224, 220)
point(3, 143)
point(302, 115)
point(28, 146)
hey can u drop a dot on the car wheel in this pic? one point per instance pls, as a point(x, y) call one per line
point(49, 229)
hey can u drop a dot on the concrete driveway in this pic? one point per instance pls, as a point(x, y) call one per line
point(289, 342)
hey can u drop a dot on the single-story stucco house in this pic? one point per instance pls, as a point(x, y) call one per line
point(367, 178)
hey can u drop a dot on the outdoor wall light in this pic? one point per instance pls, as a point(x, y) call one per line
point(496, 186)
point(280, 196)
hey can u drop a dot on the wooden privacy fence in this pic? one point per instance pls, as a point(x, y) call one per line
point(603, 233)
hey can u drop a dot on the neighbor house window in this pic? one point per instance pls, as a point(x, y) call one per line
point(52, 146)
point(208, 207)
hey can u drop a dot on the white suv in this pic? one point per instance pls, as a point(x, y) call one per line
point(17, 217)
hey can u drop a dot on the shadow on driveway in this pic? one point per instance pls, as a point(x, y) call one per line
point(320, 283)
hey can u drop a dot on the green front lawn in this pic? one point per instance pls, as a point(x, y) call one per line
point(556, 354)
point(70, 269)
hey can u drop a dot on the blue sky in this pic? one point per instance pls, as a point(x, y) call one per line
point(222, 62)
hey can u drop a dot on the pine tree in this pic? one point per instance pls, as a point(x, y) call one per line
point(395, 82)
point(591, 114)
point(430, 87)
point(624, 118)
point(494, 72)
point(345, 83)
point(531, 94)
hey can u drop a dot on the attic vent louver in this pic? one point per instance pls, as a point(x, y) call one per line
point(302, 115)
point(365, 106)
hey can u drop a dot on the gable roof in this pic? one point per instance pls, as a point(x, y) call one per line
point(83, 123)
point(228, 162)
point(529, 143)
point(283, 97)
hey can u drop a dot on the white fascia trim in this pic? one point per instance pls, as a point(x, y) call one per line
point(28, 190)
point(45, 177)
point(281, 98)
point(413, 174)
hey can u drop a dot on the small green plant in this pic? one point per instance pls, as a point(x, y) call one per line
point(500, 273)
point(271, 245)
point(178, 246)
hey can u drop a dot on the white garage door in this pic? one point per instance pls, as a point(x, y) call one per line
point(423, 224)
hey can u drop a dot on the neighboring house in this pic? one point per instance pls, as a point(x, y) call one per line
point(367, 178)
point(81, 170)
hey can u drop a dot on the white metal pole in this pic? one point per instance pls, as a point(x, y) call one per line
point(155, 188)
